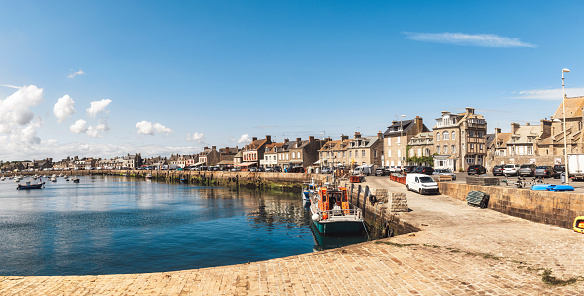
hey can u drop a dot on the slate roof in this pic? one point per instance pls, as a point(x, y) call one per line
point(573, 108)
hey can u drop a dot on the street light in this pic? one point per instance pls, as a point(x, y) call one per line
point(565, 70)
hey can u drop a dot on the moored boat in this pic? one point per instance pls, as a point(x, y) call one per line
point(308, 190)
point(333, 213)
point(30, 186)
point(552, 187)
point(75, 179)
point(149, 176)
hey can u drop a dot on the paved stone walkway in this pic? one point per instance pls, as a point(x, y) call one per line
point(461, 250)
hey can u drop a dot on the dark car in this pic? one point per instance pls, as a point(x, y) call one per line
point(476, 169)
point(423, 170)
point(544, 171)
point(296, 170)
point(409, 169)
point(558, 170)
point(498, 170)
point(527, 170)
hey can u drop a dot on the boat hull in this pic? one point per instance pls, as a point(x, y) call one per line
point(339, 227)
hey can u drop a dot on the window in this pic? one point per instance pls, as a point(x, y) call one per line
point(399, 140)
point(389, 142)
point(399, 153)
point(529, 150)
point(438, 135)
point(438, 149)
point(343, 154)
point(356, 153)
point(350, 153)
point(299, 155)
point(363, 153)
point(445, 135)
point(420, 152)
point(375, 153)
point(453, 136)
point(453, 149)
point(471, 146)
point(481, 146)
point(445, 149)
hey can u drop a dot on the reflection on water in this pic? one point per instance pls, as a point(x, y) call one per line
point(107, 225)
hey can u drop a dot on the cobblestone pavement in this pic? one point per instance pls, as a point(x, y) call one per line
point(461, 250)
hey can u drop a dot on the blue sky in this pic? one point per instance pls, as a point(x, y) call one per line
point(174, 77)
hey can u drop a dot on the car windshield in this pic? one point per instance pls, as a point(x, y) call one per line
point(542, 167)
point(426, 180)
point(525, 166)
point(510, 166)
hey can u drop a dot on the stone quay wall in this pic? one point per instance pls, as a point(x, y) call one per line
point(548, 207)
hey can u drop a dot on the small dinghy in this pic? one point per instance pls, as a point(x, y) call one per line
point(579, 224)
point(552, 187)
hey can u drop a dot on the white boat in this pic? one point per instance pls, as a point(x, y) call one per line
point(333, 213)
point(2, 179)
point(308, 189)
point(75, 179)
point(149, 176)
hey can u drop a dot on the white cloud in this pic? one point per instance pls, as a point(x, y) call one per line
point(94, 132)
point(80, 72)
point(64, 108)
point(97, 107)
point(78, 127)
point(148, 128)
point(244, 139)
point(16, 118)
point(554, 94)
point(198, 137)
point(481, 40)
point(15, 109)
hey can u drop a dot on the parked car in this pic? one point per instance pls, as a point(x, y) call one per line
point(423, 170)
point(476, 169)
point(544, 171)
point(498, 170)
point(327, 170)
point(421, 183)
point(409, 168)
point(277, 169)
point(444, 172)
point(511, 169)
point(296, 170)
point(253, 169)
point(527, 170)
point(558, 170)
point(381, 171)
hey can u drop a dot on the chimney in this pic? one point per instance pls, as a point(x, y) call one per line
point(204, 148)
point(226, 150)
point(311, 138)
point(497, 130)
point(343, 137)
point(268, 139)
point(286, 140)
point(394, 122)
point(514, 128)
point(379, 135)
point(546, 128)
point(357, 135)
point(254, 139)
point(298, 140)
point(528, 124)
point(469, 110)
point(213, 148)
point(445, 113)
point(419, 124)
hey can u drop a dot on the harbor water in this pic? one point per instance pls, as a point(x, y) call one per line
point(110, 225)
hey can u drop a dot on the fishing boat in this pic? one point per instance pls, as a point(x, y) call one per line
point(75, 179)
point(30, 186)
point(579, 224)
point(2, 179)
point(149, 176)
point(332, 213)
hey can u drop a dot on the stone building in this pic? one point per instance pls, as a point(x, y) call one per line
point(553, 143)
point(303, 153)
point(270, 159)
point(364, 150)
point(209, 156)
point(460, 140)
point(254, 151)
point(420, 146)
point(397, 137)
point(334, 153)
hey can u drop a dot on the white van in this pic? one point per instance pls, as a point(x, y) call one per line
point(366, 169)
point(421, 183)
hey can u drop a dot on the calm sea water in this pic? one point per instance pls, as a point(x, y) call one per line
point(106, 225)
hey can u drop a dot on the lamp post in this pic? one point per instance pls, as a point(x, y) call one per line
point(565, 70)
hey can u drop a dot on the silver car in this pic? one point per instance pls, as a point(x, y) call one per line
point(445, 172)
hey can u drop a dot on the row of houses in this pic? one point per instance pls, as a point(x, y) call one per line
point(455, 141)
